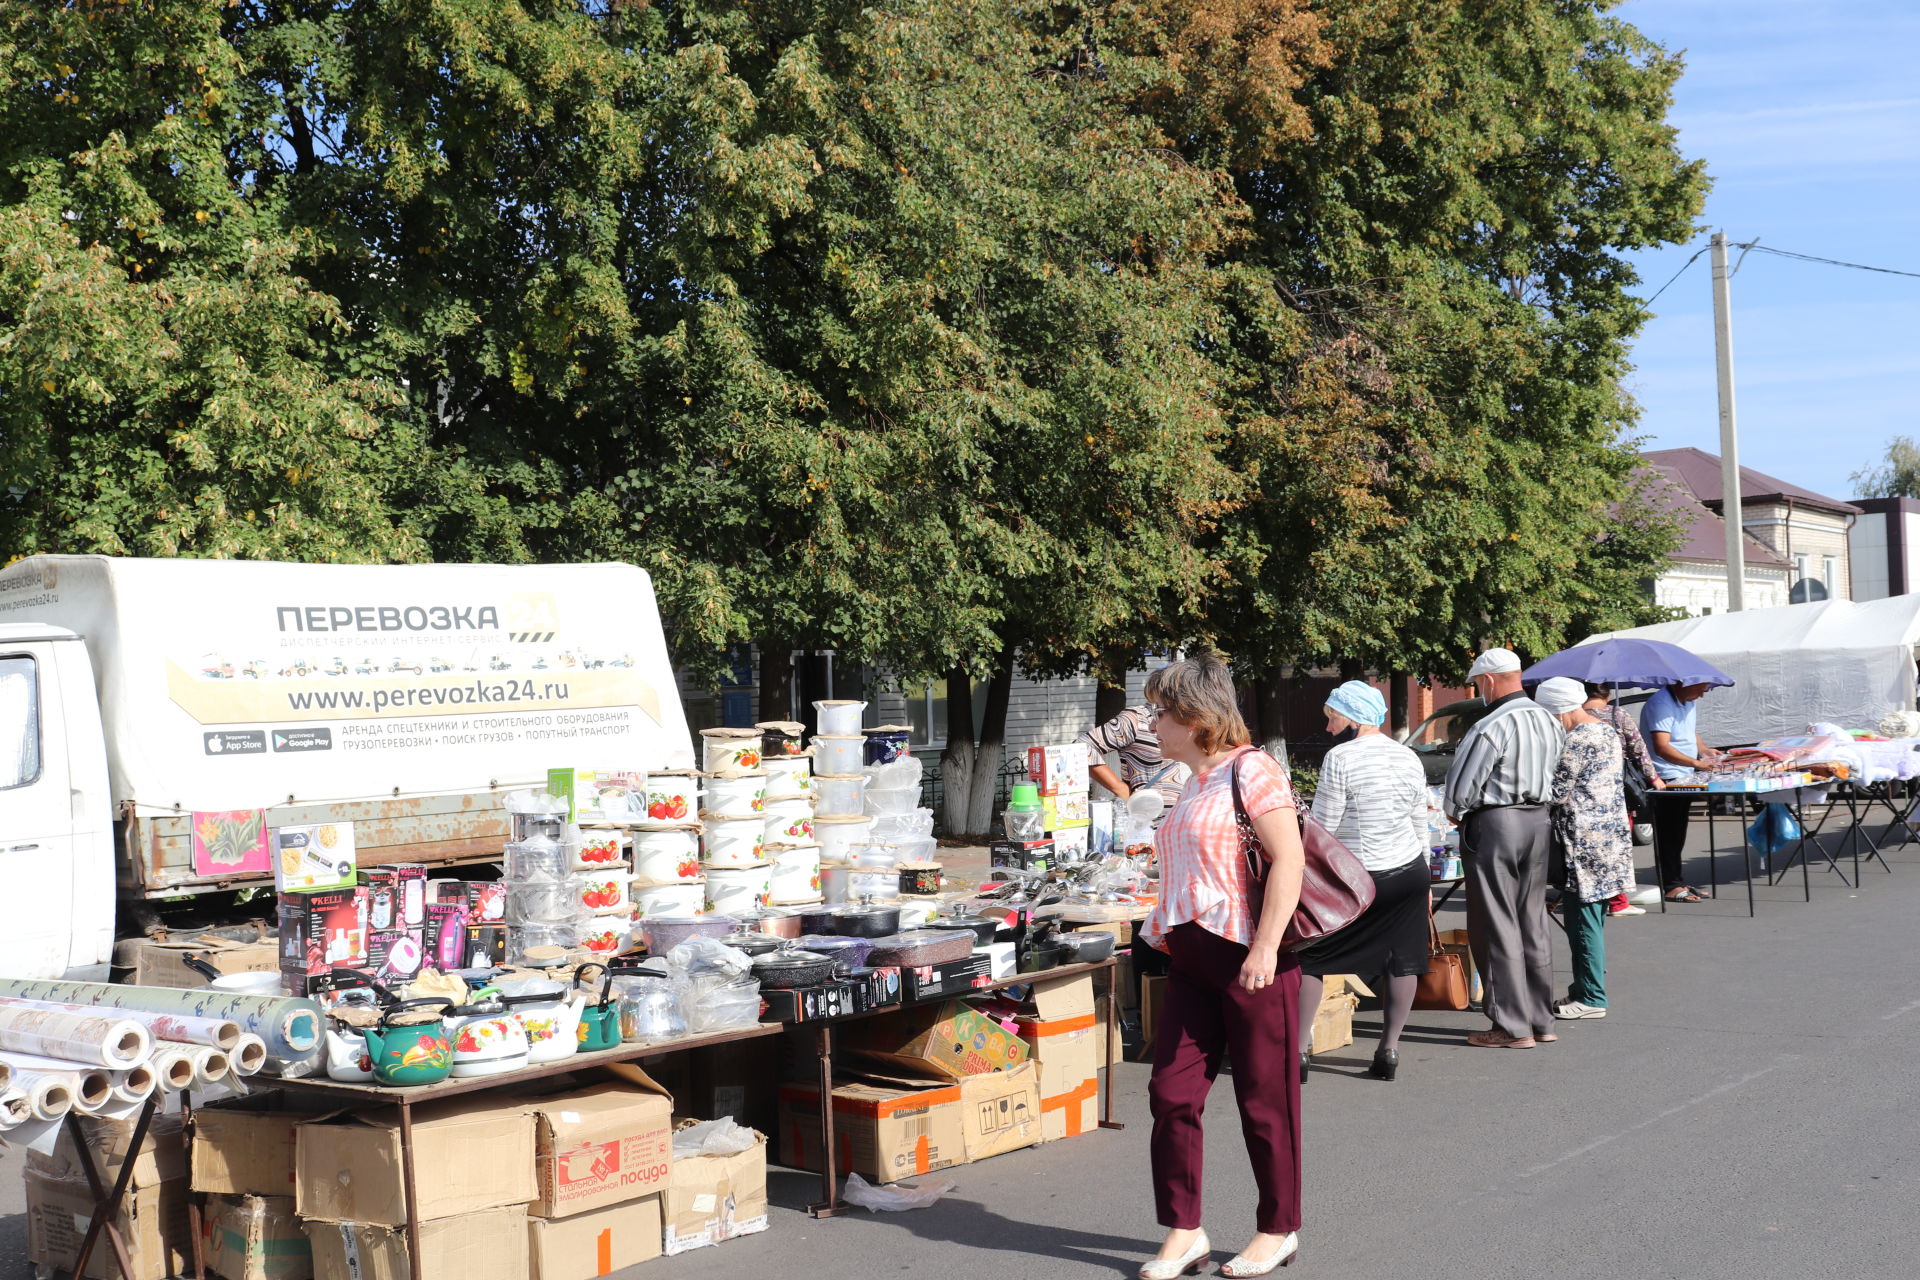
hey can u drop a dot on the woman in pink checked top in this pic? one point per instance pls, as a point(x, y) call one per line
point(1229, 987)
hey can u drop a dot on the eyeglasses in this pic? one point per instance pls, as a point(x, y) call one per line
point(1153, 713)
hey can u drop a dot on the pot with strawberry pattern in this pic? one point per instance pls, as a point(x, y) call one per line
point(672, 796)
point(665, 855)
point(599, 847)
point(735, 792)
point(789, 821)
point(603, 893)
point(487, 1037)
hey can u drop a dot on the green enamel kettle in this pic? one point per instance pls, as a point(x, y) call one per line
point(413, 1052)
point(600, 1023)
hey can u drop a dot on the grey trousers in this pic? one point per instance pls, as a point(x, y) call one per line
point(1506, 852)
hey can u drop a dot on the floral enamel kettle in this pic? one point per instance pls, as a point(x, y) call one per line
point(414, 1051)
point(548, 1013)
point(487, 1037)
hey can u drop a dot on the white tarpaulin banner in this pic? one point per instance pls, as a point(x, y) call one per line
point(1835, 661)
point(231, 684)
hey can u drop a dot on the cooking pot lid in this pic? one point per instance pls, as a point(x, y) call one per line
point(785, 959)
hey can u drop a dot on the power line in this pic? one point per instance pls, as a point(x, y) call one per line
point(1676, 275)
point(1831, 262)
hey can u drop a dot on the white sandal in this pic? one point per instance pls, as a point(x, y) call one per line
point(1238, 1268)
point(1189, 1263)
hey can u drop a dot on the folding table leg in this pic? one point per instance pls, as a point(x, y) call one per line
point(409, 1189)
point(194, 1217)
point(106, 1205)
point(830, 1205)
point(1113, 1032)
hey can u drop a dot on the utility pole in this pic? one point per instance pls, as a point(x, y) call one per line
point(1730, 507)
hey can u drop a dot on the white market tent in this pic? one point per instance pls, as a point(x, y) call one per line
point(1837, 661)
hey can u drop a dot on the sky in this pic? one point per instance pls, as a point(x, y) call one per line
point(1808, 116)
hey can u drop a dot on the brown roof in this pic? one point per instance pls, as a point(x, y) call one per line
point(1704, 533)
point(1699, 471)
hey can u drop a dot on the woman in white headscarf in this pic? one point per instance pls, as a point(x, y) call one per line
point(1373, 797)
point(1589, 814)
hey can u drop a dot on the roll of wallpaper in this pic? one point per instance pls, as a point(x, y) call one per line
point(54, 1093)
point(132, 1084)
point(209, 1064)
point(96, 1038)
point(172, 1068)
point(247, 1056)
point(290, 1027)
point(45, 1099)
point(14, 1109)
point(218, 1032)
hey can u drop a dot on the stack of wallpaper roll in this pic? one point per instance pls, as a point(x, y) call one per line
point(77, 1046)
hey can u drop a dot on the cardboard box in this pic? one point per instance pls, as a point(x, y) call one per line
point(1116, 1045)
point(886, 1131)
point(486, 945)
point(1333, 1024)
point(471, 1154)
point(313, 857)
point(947, 1041)
point(841, 997)
point(162, 1157)
point(1060, 769)
point(711, 1199)
point(597, 1243)
point(473, 1246)
point(1022, 855)
point(1066, 1044)
point(598, 1146)
point(938, 981)
point(247, 1147)
point(601, 795)
point(395, 956)
point(152, 1222)
point(1000, 1112)
point(254, 1238)
point(1153, 988)
point(1071, 844)
point(163, 964)
point(1100, 814)
point(1066, 811)
point(321, 930)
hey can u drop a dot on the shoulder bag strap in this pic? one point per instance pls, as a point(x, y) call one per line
point(1250, 848)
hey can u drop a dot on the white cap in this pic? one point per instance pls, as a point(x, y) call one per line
point(1494, 662)
point(1560, 695)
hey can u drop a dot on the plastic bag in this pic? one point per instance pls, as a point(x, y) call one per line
point(720, 1008)
point(1773, 830)
point(722, 1137)
point(897, 1198)
point(698, 956)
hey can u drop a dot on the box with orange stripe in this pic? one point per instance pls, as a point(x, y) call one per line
point(884, 1131)
point(1065, 1040)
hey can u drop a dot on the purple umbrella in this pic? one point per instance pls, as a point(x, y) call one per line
point(1625, 662)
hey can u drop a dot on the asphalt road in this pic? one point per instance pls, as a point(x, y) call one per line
point(1742, 1113)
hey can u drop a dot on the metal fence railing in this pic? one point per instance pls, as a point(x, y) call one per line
point(933, 791)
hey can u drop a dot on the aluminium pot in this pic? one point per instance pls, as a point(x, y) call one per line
point(865, 921)
point(784, 970)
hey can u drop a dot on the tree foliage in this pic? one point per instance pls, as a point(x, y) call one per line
point(1897, 475)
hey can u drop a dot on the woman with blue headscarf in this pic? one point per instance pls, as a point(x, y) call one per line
point(1373, 797)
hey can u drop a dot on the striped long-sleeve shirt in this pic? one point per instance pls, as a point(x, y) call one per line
point(1507, 758)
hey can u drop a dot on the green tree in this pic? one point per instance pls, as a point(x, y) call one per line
point(1896, 476)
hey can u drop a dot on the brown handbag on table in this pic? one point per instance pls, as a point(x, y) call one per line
point(1444, 984)
point(1334, 886)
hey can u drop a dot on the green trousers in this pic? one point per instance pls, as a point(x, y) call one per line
point(1587, 950)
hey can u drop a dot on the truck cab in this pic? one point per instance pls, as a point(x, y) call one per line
point(57, 897)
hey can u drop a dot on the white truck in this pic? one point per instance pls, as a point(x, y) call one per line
point(151, 709)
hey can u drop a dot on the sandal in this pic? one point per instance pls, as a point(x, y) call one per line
point(1491, 1039)
point(1685, 893)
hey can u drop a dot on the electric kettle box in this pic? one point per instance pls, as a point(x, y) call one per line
point(601, 1145)
point(471, 1153)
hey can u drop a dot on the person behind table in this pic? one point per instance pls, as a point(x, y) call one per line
point(1373, 797)
point(1668, 721)
point(1639, 762)
point(1589, 814)
point(1497, 790)
point(1230, 988)
point(1130, 735)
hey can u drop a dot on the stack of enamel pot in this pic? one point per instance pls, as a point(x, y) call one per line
point(839, 821)
point(791, 845)
point(739, 878)
point(666, 848)
point(602, 880)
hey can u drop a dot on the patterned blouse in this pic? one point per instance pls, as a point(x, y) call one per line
point(1638, 757)
point(1203, 877)
point(1590, 814)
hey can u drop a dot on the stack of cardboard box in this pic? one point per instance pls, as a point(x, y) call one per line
point(1066, 1042)
point(243, 1164)
point(1061, 772)
point(939, 1086)
point(603, 1154)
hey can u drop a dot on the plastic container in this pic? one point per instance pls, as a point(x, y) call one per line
point(902, 826)
point(733, 842)
point(904, 772)
point(737, 792)
point(1025, 796)
point(542, 902)
point(649, 1010)
point(838, 754)
point(788, 776)
point(738, 891)
point(789, 821)
point(839, 717)
point(840, 795)
point(538, 859)
point(667, 854)
point(1024, 824)
point(670, 901)
point(837, 836)
point(730, 749)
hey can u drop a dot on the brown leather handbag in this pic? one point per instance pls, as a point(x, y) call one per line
point(1444, 984)
point(1335, 886)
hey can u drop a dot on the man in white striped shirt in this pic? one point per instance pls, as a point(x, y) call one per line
point(1497, 790)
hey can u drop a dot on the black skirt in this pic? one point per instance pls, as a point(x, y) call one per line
point(1390, 937)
